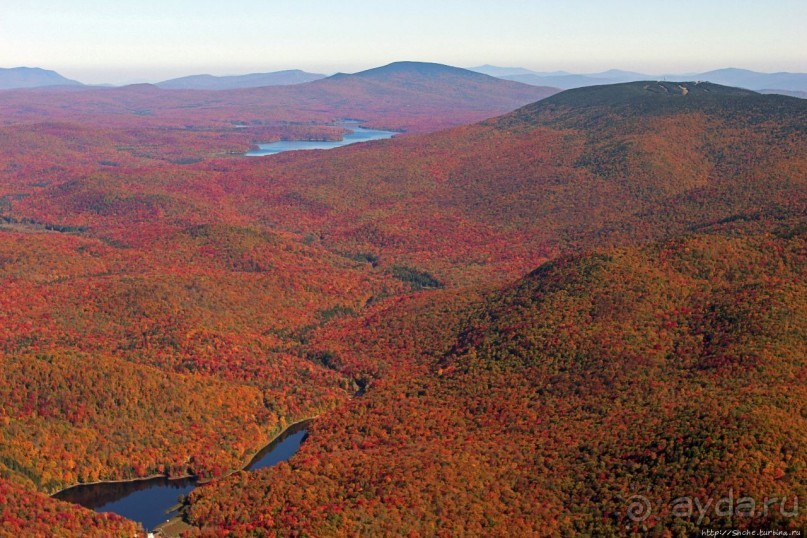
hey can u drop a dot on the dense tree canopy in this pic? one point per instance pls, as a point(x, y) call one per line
point(167, 306)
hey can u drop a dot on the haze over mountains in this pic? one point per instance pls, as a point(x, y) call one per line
point(253, 80)
point(32, 77)
point(742, 78)
point(794, 84)
point(402, 96)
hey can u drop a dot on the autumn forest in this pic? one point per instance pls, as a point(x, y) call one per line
point(521, 313)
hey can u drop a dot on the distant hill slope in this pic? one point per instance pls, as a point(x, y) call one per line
point(790, 93)
point(565, 82)
point(742, 78)
point(253, 80)
point(644, 96)
point(568, 81)
point(496, 71)
point(754, 80)
point(431, 87)
point(32, 77)
point(583, 167)
point(415, 69)
point(461, 85)
point(405, 96)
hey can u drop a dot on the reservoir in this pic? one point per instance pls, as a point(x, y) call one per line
point(150, 502)
point(356, 134)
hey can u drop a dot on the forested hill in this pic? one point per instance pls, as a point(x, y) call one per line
point(597, 381)
point(585, 167)
point(167, 307)
point(654, 98)
point(420, 74)
point(671, 366)
point(252, 80)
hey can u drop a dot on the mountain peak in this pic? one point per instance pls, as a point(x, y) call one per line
point(32, 77)
point(417, 69)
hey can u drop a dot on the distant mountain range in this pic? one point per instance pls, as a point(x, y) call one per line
point(253, 80)
point(756, 81)
point(786, 83)
point(32, 77)
point(793, 84)
point(402, 96)
point(791, 93)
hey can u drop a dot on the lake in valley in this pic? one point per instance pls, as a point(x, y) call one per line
point(357, 134)
point(153, 501)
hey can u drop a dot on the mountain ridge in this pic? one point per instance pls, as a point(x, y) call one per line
point(32, 77)
point(232, 82)
point(783, 81)
point(745, 78)
point(415, 70)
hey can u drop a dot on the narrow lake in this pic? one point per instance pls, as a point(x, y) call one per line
point(357, 134)
point(149, 502)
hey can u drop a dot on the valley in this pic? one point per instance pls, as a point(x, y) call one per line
point(549, 301)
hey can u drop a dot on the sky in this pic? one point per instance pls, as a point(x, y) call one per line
point(121, 41)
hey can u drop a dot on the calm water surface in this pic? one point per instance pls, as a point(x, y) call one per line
point(357, 134)
point(149, 502)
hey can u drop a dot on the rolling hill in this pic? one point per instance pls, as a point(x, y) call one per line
point(598, 291)
point(500, 72)
point(610, 163)
point(791, 93)
point(756, 81)
point(544, 408)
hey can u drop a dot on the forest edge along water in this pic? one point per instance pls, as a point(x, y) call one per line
point(153, 501)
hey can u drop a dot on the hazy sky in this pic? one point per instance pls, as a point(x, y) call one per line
point(120, 40)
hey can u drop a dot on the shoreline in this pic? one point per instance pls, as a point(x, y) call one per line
point(200, 481)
